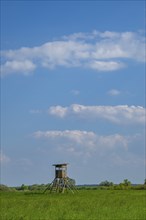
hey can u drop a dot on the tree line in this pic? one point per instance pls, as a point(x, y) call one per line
point(126, 184)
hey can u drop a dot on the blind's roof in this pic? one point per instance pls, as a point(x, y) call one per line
point(60, 165)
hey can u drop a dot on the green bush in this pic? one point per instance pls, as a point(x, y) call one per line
point(4, 188)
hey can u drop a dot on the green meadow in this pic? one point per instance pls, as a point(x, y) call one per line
point(82, 205)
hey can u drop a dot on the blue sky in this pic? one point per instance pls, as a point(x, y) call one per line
point(72, 90)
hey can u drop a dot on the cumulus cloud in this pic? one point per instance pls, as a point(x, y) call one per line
point(101, 51)
point(105, 65)
point(58, 111)
point(17, 66)
point(103, 152)
point(83, 142)
point(121, 114)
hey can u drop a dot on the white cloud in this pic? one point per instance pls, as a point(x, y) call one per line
point(83, 142)
point(17, 66)
point(121, 114)
point(114, 92)
point(87, 150)
point(101, 51)
point(105, 65)
point(58, 111)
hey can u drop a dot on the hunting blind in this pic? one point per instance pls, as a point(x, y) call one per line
point(61, 182)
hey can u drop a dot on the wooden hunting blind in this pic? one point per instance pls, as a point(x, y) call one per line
point(61, 182)
point(60, 170)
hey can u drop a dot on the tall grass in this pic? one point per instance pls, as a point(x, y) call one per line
point(83, 205)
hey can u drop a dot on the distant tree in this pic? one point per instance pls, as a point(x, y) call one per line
point(106, 183)
point(33, 187)
point(4, 188)
point(126, 182)
point(145, 182)
point(38, 187)
point(23, 187)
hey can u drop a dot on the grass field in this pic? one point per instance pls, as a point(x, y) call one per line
point(83, 205)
